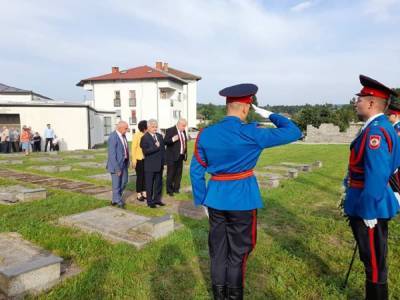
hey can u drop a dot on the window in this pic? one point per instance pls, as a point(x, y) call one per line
point(179, 97)
point(177, 114)
point(163, 94)
point(107, 125)
point(132, 98)
point(117, 99)
point(132, 119)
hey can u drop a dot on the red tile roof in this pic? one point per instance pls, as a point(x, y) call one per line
point(142, 72)
point(182, 74)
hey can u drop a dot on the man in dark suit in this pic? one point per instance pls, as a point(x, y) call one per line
point(152, 144)
point(176, 141)
point(118, 162)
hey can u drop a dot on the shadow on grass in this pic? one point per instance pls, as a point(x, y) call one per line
point(290, 233)
point(173, 275)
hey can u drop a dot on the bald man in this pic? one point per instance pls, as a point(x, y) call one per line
point(118, 162)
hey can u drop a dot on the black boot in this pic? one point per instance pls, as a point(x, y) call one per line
point(235, 293)
point(376, 291)
point(219, 292)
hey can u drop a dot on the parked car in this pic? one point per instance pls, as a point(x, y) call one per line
point(192, 133)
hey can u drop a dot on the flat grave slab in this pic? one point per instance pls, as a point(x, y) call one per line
point(107, 176)
point(46, 159)
point(94, 190)
point(121, 225)
point(91, 164)
point(52, 169)
point(288, 172)
point(81, 156)
point(11, 162)
point(17, 193)
point(300, 167)
point(25, 267)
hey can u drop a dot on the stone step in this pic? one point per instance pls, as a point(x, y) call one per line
point(17, 193)
point(25, 267)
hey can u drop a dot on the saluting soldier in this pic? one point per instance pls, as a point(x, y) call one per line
point(229, 151)
point(370, 202)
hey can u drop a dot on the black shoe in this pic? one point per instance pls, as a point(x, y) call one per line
point(234, 293)
point(176, 192)
point(219, 292)
point(170, 194)
point(160, 203)
point(122, 206)
point(141, 199)
point(152, 206)
point(376, 291)
point(113, 203)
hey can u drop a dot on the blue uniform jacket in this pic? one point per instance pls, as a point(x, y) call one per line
point(374, 158)
point(232, 146)
point(397, 128)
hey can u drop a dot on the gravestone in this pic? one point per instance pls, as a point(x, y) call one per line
point(91, 164)
point(121, 225)
point(17, 193)
point(300, 167)
point(52, 169)
point(107, 176)
point(11, 162)
point(288, 172)
point(25, 267)
point(82, 156)
point(46, 159)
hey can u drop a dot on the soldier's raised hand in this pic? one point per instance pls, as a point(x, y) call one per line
point(262, 112)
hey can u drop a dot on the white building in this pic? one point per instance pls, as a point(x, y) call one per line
point(141, 93)
point(77, 125)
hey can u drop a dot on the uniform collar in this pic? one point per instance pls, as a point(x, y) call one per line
point(398, 122)
point(369, 121)
point(231, 118)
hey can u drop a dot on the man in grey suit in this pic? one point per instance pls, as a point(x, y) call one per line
point(118, 162)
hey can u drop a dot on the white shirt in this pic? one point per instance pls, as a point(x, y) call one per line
point(49, 133)
point(123, 141)
point(181, 140)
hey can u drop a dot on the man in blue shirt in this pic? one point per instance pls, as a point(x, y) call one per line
point(229, 151)
point(370, 201)
point(49, 136)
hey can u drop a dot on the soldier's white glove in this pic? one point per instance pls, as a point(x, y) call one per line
point(370, 223)
point(206, 211)
point(262, 112)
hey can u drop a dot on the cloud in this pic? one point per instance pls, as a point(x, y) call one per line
point(382, 10)
point(301, 6)
point(294, 58)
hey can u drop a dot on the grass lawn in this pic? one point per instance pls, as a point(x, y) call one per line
point(303, 249)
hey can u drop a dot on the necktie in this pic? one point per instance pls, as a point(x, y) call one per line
point(182, 141)
point(125, 146)
point(155, 138)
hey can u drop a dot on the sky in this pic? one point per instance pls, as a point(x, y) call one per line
point(297, 52)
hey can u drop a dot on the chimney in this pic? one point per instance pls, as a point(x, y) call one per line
point(114, 70)
point(159, 65)
point(165, 68)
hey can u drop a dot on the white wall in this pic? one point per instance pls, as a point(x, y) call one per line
point(15, 98)
point(69, 123)
point(192, 104)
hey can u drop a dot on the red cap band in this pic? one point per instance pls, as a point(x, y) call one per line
point(367, 91)
point(393, 112)
point(247, 99)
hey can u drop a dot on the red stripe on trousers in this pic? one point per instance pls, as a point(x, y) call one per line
point(374, 264)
